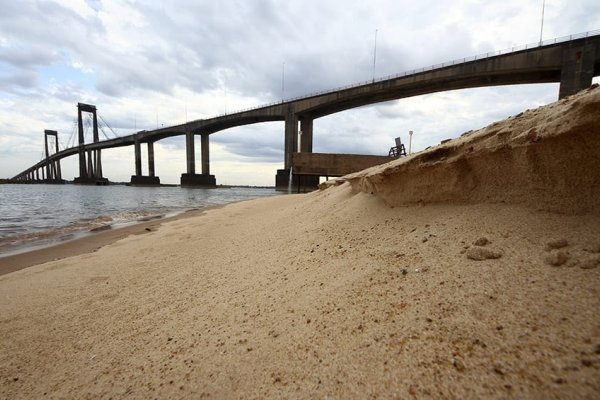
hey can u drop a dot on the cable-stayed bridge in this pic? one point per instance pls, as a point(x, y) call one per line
point(572, 61)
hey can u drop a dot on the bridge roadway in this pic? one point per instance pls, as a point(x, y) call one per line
point(571, 61)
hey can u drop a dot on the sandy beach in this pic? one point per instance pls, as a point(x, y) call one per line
point(470, 270)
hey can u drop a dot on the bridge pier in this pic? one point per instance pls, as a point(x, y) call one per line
point(577, 68)
point(141, 180)
point(151, 160)
point(291, 138)
point(191, 179)
point(298, 183)
point(90, 174)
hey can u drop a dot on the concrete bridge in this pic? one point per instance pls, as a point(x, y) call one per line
point(571, 61)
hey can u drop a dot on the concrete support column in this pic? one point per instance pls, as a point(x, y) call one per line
point(58, 175)
point(291, 138)
point(191, 179)
point(138, 157)
point(306, 136)
point(98, 165)
point(90, 165)
point(97, 161)
point(47, 155)
point(151, 158)
point(577, 69)
point(205, 155)
point(138, 179)
point(189, 152)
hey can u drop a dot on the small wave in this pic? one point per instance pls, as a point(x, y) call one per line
point(11, 229)
point(7, 233)
point(149, 217)
point(101, 228)
point(13, 219)
point(101, 218)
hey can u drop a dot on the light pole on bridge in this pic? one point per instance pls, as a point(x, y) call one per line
point(282, 81)
point(374, 54)
point(542, 27)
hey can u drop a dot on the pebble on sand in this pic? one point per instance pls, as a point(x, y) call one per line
point(589, 262)
point(482, 241)
point(556, 244)
point(556, 258)
point(595, 248)
point(482, 253)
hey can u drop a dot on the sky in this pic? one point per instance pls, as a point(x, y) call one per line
point(147, 64)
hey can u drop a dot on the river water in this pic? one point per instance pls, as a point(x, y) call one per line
point(33, 216)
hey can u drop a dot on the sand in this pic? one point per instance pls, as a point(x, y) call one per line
point(354, 291)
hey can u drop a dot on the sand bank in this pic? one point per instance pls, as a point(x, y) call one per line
point(338, 293)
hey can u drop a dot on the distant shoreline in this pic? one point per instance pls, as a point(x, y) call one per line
point(9, 182)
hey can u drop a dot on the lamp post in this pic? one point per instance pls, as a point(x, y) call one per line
point(410, 133)
point(374, 54)
point(542, 28)
point(282, 81)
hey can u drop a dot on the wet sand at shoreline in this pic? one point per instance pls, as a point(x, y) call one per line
point(86, 244)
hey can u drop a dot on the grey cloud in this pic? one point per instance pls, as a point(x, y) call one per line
point(20, 79)
point(37, 34)
point(49, 23)
point(262, 142)
point(395, 111)
point(30, 56)
point(572, 17)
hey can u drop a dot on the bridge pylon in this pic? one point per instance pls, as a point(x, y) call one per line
point(53, 172)
point(90, 162)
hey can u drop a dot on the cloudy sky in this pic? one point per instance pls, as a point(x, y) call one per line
point(152, 63)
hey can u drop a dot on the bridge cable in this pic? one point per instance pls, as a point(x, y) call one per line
point(87, 128)
point(108, 126)
point(101, 124)
point(60, 147)
point(71, 141)
point(103, 132)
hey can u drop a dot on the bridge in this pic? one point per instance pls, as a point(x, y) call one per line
point(572, 61)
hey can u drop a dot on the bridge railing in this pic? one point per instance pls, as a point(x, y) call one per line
point(481, 56)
